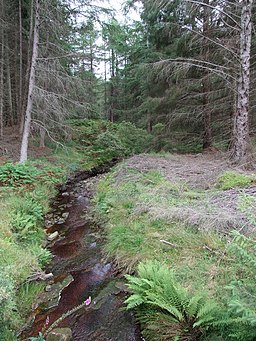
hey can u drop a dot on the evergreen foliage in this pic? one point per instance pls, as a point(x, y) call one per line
point(102, 140)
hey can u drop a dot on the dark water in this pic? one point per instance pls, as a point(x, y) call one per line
point(80, 271)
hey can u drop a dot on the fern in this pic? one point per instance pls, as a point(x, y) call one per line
point(241, 322)
point(160, 301)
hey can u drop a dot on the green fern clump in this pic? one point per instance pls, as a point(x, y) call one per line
point(26, 218)
point(165, 308)
point(17, 174)
point(242, 303)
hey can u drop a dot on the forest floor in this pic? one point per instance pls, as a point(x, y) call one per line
point(212, 179)
point(10, 146)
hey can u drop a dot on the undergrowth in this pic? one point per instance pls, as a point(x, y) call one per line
point(136, 208)
point(25, 192)
point(99, 141)
point(24, 200)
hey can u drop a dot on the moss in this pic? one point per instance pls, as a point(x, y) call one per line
point(232, 179)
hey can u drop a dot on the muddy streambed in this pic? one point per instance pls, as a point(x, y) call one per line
point(81, 273)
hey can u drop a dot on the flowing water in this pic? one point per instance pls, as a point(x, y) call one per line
point(80, 271)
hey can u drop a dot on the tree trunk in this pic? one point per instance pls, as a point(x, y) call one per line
point(9, 84)
point(207, 138)
point(240, 141)
point(27, 121)
point(2, 76)
point(42, 137)
point(28, 68)
point(20, 61)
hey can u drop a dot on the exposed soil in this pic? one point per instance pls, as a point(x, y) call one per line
point(10, 146)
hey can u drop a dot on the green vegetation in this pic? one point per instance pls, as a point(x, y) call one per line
point(25, 191)
point(24, 199)
point(232, 179)
point(166, 309)
point(99, 141)
point(146, 221)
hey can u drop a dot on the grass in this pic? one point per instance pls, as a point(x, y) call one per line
point(24, 199)
point(232, 179)
point(22, 206)
point(137, 208)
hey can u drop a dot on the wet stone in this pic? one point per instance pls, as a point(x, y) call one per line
point(53, 236)
point(60, 334)
point(65, 194)
point(65, 215)
point(48, 288)
point(60, 221)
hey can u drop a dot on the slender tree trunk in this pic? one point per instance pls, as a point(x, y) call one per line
point(27, 122)
point(207, 139)
point(42, 137)
point(241, 128)
point(2, 75)
point(112, 88)
point(20, 61)
point(25, 87)
point(149, 123)
point(9, 84)
point(105, 83)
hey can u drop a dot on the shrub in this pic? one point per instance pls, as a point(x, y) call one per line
point(16, 174)
point(26, 217)
point(44, 256)
point(242, 304)
point(103, 140)
point(165, 308)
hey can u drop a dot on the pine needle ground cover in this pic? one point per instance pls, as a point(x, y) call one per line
point(181, 218)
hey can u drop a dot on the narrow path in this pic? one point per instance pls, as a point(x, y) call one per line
point(80, 270)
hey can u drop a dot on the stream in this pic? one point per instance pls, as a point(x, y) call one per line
point(80, 273)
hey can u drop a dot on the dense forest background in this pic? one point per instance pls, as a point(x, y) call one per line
point(185, 71)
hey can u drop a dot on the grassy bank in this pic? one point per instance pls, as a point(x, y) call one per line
point(25, 193)
point(162, 224)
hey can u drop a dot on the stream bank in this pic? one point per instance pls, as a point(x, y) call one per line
point(80, 273)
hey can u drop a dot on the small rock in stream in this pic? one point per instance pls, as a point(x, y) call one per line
point(53, 236)
point(60, 334)
point(65, 215)
point(65, 194)
point(48, 288)
point(60, 221)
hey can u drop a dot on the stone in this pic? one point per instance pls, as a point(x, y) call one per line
point(65, 194)
point(48, 288)
point(53, 236)
point(60, 334)
point(60, 221)
point(65, 215)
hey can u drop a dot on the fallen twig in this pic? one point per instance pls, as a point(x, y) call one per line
point(168, 243)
